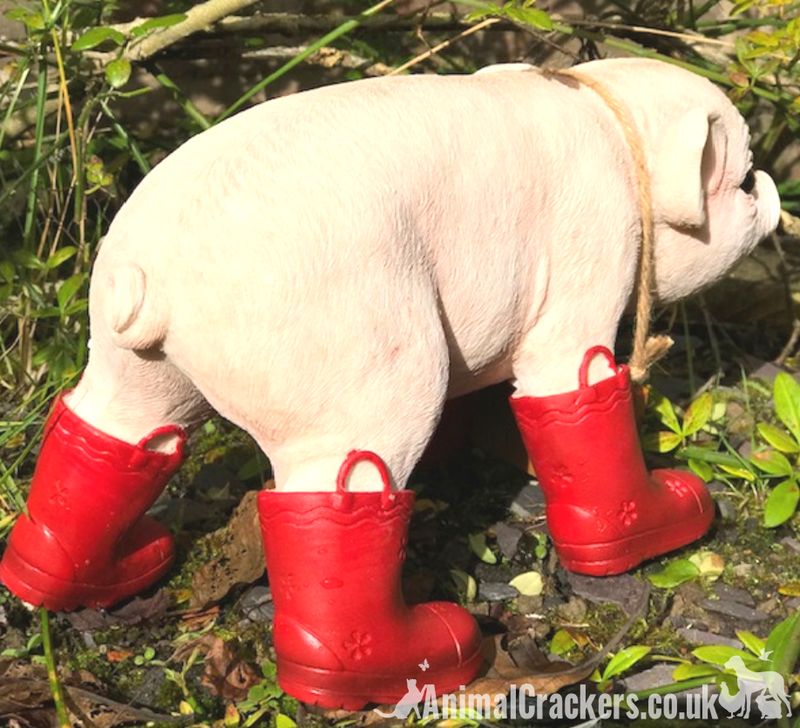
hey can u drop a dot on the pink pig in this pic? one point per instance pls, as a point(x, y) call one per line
point(325, 270)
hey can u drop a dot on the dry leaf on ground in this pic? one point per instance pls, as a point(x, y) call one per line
point(225, 674)
point(136, 611)
point(25, 697)
point(239, 557)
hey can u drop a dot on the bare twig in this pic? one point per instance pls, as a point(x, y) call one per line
point(326, 57)
point(446, 44)
point(21, 120)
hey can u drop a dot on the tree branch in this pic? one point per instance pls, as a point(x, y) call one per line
point(198, 18)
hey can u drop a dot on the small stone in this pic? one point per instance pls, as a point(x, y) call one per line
point(767, 370)
point(529, 500)
point(793, 603)
point(507, 539)
point(624, 590)
point(771, 607)
point(530, 605)
point(655, 677)
point(574, 610)
point(734, 594)
point(791, 544)
point(701, 637)
point(496, 592)
point(726, 509)
point(257, 604)
point(732, 609)
point(751, 524)
point(743, 571)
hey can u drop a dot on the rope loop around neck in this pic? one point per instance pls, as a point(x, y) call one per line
point(647, 350)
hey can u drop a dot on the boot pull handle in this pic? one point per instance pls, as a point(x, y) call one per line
point(356, 456)
point(588, 358)
point(166, 430)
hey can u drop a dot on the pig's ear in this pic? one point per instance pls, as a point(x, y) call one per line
point(678, 195)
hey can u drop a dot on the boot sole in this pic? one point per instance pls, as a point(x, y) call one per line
point(621, 555)
point(334, 690)
point(41, 589)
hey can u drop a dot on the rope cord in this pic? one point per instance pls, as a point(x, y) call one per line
point(647, 350)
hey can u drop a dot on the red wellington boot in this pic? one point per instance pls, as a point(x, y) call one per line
point(343, 635)
point(604, 512)
point(86, 540)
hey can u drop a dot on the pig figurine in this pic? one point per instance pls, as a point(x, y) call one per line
point(325, 270)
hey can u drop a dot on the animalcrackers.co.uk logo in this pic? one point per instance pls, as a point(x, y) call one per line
point(764, 689)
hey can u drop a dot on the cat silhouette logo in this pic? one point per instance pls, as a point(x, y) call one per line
point(767, 686)
point(410, 701)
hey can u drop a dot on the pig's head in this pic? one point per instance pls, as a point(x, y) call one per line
point(710, 206)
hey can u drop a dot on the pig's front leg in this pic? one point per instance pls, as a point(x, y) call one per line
point(109, 448)
point(605, 513)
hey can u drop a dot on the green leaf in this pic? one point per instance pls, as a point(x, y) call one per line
point(530, 16)
point(529, 584)
point(665, 411)
point(777, 438)
point(786, 392)
point(688, 671)
point(677, 572)
point(781, 503)
point(257, 465)
point(624, 660)
point(477, 542)
point(720, 654)
point(739, 472)
point(118, 72)
point(772, 462)
point(68, 289)
point(32, 21)
point(61, 255)
point(780, 642)
point(702, 470)
point(698, 414)
point(164, 21)
point(751, 642)
point(662, 441)
point(27, 259)
point(94, 37)
point(465, 583)
point(284, 721)
point(562, 642)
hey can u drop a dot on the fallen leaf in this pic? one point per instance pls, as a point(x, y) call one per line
point(195, 620)
point(26, 699)
point(135, 611)
point(239, 555)
point(118, 655)
point(225, 674)
point(529, 584)
point(709, 564)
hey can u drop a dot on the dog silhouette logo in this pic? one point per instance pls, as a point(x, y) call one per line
point(768, 687)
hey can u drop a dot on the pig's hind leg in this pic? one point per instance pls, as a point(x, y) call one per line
point(109, 448)
point(343, 634)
